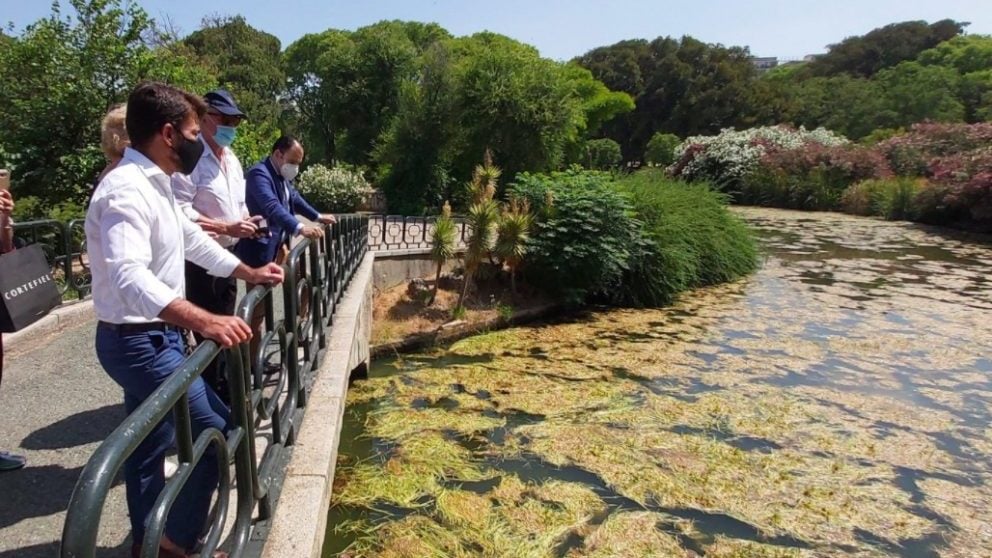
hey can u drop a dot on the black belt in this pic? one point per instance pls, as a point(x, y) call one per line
point(122, 329)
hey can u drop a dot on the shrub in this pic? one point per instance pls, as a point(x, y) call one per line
point(332, 190)
point(690, 240)
point(726, 159)
point(661, 149)
point(583, 236)
point(637, 240)
point(892, 198)
point(602, 154)
point(912, 153)
point(810, 177)
point(967, 179)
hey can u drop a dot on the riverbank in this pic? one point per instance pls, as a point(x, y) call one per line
point(836, 403)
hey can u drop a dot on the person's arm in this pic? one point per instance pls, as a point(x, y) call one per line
point(260, 196)
point(228, 331)
point(204, 252)
point(303, 207)
point(184, 191)
point(126, 242)
point(6, 223)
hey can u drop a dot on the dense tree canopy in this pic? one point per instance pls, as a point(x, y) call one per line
point(415, 108)
point(884, 47)
point(680, 86)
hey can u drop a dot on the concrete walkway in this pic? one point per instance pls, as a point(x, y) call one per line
point(56, 406)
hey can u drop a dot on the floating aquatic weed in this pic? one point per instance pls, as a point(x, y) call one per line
point(840, 400)
point(629, 534)
point(397, 423)
point(418, 468)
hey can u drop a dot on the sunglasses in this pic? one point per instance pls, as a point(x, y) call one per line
point(225, 120)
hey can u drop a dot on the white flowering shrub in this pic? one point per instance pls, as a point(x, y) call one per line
point(332, 190)
point(725, 159)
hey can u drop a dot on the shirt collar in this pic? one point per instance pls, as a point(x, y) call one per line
point(148, 168)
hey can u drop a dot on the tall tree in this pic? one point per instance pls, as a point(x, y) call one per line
point(681, 86)
point(884, 47)
point(60, 76)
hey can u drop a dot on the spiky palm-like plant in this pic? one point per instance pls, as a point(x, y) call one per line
point(512, 233)
point(442, 244)
point(482, 217)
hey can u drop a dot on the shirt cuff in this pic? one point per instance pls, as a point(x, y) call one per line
point(299, 228)
point(191, 213)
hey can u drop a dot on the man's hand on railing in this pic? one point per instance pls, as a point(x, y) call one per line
point(227, 331)
point(313, 232)
point(327, 219)
point(268, 274)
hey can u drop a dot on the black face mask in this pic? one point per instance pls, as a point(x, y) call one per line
point(189, 153)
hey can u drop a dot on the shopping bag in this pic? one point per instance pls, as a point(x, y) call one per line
point(27, 289)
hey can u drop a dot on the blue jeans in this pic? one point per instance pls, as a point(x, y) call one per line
point(140, 362)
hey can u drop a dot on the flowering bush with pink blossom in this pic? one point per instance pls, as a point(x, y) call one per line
point(911, 153)
point(934, 172)
point(966, 181)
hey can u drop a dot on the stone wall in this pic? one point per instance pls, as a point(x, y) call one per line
point(299, 521)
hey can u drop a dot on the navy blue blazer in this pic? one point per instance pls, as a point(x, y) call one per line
point(265, 195)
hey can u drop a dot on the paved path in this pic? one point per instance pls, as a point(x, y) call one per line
point(56, 406)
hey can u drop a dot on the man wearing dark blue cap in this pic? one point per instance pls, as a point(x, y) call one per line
point(213, 196)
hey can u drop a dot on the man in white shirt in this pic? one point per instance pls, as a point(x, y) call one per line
point(138, 240)
point(213, 196)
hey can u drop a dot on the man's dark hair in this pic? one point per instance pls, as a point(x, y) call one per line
point(152, 105)
point(284, 143)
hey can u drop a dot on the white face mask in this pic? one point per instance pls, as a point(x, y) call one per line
point(289, 171)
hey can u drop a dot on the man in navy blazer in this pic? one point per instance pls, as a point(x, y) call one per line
point(269, 193)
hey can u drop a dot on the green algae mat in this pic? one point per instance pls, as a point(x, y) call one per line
point(837, 403)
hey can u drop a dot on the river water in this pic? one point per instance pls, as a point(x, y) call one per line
point(836, 403)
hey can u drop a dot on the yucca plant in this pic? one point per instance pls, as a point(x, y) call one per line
point(442, 244)
point(512, 233)
point(482, 217)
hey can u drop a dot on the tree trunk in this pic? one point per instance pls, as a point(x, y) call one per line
point(437, 279)
point(465, 280)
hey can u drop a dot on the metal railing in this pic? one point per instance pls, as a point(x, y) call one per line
point(397, 232)
point(64, 245)
point(317, 274)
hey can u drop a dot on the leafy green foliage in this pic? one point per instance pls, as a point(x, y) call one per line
point(245, 60)
point(683, 86)
point(602, 154)
point(442, 245)
point(661, 149)
point(582, 240)
point(891, 198)
point(512, 235)
point(60, 76)
point(483, 214)
point(883, 47)
point(690, 240)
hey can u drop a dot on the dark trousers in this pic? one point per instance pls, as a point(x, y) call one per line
point(217, 295)
point(140, 362)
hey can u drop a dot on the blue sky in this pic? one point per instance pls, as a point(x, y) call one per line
point(562, 29)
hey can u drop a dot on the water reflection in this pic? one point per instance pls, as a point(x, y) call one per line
point(839, 402)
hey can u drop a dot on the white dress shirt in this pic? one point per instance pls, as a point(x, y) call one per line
point(215, 189)
point(138, 240)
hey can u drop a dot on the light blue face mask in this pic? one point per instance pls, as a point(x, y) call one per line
point(225, 135)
